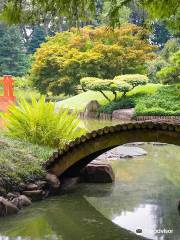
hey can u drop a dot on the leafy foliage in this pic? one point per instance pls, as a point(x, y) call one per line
point(155, 66)
point(133, 79)
point(124, 103)
point(37, 38)
point(38, 123)
point(123, 84)
point(67, 57)
point(13, 59)
point(165, 100)
point(171, 73)
point(171, 46)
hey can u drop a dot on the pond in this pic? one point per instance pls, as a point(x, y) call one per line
point(144, 196)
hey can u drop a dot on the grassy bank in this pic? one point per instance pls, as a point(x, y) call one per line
point(151, 99)
point(21, 161)
point(80, 101)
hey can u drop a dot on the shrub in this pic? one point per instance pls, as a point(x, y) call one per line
point(155, 66)
point(133, 79)
point(171, 73)
point(171, 46)
point(120, 103)
point(67, 57)
point(165, 101)
point(22, 82)
point(38, 123)
point(102, 85)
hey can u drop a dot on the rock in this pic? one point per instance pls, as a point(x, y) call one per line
point(92, 106)
point(98, 173)
point(31, 187)
point(42, 184)
point(35, 195)
point(11, 196)
point(122, 152)
point(53, 180)
point(123, 114)
point(91, 109)
point(22, 186)
point(7, 208)
point(21, 201)
point(69, 182)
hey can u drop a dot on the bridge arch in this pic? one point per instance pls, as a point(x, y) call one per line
point(78, 153)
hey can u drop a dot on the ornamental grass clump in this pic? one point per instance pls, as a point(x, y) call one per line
point(38, 122)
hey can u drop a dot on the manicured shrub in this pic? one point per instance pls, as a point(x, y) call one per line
point(39, 123)
point(165, 101)
point(133, 79)
point(64, 59)
point(121, 103)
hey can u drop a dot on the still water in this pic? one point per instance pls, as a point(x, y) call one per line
point(144, 196)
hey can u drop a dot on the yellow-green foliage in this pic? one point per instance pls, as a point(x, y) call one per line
point(39, 123)
point(64, 59)
point(132, 79)
point(123, 83)
point(97, 84)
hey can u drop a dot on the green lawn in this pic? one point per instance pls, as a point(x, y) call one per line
point(81, 100)
point(26, 93)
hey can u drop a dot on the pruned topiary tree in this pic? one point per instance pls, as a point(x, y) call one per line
point(123, 84)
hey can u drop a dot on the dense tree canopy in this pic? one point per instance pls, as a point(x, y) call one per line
point(64, 59)
point(13, 59)
point(15, 11)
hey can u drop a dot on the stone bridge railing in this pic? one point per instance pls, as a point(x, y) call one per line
point(81, 151)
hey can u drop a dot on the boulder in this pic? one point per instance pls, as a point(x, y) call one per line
point(123, 114)
point(42, 184)
point(35, 195)
point(11, 196)
point(92, 106)
point(21, 201)
point(91, 109)
point(7, 208)
point(53, 180)
point(122, 152)
point(31, 187)
point(98, 172)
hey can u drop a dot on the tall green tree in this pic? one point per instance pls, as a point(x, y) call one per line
point(37, 38)
point(13, 59)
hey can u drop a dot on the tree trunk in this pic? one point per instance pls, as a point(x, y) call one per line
point(105, 96)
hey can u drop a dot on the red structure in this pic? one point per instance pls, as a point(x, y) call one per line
point(8, 96)
point(8, 89)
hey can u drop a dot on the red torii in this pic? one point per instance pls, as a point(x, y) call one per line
point(8, 89)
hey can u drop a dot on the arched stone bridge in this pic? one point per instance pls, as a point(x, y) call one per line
point(80, 152)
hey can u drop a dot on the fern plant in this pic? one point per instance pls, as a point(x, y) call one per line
point(39, 123)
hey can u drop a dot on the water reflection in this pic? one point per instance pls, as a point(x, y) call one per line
point(146, 193)
point(144, 196)
point(145, 216)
